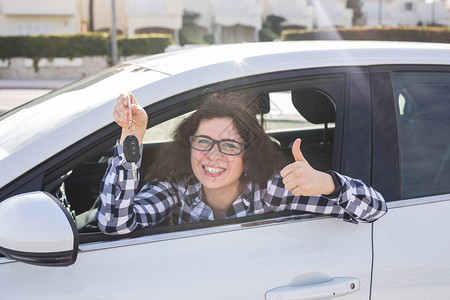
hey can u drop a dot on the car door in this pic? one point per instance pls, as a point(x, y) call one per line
point(298, 256)
point(412, 169)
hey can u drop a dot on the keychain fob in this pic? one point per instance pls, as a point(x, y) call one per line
point(131, 149)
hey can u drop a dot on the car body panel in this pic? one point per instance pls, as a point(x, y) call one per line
point(234, 263)
point(258, 58)
point(245, 259)
point(411, 257)
point(180, 72)
point(51, 135)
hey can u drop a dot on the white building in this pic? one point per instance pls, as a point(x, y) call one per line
point(434, 12)
point(227, 20)
point(135, 16)
point(332, 13)
point(406, 12)
point(298, 14)
point(25, 17)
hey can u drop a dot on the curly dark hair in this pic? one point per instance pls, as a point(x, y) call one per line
point(261, 158)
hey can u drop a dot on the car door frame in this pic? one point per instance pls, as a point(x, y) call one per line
point(410, 255)
point(345, 154)
point(352, 127)
point(386, 148)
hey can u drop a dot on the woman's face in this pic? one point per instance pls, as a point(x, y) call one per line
point(212, 168)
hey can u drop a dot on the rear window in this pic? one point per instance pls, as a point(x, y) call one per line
point(423, 106)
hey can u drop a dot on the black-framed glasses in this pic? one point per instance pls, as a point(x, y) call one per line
point(204, 143)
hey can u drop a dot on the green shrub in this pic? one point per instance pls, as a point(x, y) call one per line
point(266, 34)
point(417, 34)
point(79, 45)
point(271, 28)
point(189, 35)
point(143, 44)
point(191, 32)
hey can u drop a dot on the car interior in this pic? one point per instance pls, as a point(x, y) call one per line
point(308, 113)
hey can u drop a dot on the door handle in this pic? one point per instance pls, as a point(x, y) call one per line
point(335, 287)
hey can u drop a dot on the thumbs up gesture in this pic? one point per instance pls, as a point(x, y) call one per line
point(301, 179)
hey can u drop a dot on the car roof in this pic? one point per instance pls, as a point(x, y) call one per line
point(76, 111)
point(265, 56)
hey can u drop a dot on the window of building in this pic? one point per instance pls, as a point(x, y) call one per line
point(409, 6)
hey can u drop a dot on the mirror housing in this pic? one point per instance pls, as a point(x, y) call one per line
point(36, 228)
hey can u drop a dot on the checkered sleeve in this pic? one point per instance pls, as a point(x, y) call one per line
point(356, 201)
point(120, 210)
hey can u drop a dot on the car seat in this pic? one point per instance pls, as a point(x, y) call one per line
point(317, 108)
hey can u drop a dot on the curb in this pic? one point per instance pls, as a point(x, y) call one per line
point(34, 84)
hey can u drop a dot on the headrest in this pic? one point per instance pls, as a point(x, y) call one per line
point(315, 106)
point(263, 102)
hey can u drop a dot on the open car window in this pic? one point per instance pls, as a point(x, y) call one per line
point(163, 131)
point(306, 110)
point(283, 115)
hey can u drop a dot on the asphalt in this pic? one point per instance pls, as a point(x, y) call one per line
point(15, 92)
point(34, 83)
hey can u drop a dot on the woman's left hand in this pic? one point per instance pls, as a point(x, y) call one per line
point(301, 179)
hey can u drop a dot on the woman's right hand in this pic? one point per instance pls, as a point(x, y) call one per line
point(122, 116)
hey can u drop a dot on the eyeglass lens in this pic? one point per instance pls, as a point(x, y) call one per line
point(225, 146)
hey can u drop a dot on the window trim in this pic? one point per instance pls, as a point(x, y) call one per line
point(387, 157)
point(165, 232)
point(102, 139)
point(356, 120)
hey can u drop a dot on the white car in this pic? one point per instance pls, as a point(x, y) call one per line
point(378, 111)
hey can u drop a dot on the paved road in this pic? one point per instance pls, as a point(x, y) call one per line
point(17, 92)
point(10, 98)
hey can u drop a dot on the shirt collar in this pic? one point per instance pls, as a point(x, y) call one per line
point(194, 190)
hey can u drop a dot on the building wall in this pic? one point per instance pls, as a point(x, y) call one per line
point(103, 15)
point(329, 13)
point(154, 14)
point(236, 21)
point(406, 12)
point(436, 12)
point(36, 25)
point(26, 17)
point(57, 68)
point(61, 68)
point(297, 13)
point(228, 20)
point(204, 9)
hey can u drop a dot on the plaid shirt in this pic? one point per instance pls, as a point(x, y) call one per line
point(121, 210)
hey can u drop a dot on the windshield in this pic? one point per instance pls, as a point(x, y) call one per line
point(35, 119)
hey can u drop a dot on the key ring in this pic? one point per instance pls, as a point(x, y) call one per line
point(131, 126)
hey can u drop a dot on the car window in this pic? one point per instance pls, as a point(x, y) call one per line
point(285, 121)
point(283, 115)
point(16, 134)
point(423, 103)
point(309, 114)
point(162, 132)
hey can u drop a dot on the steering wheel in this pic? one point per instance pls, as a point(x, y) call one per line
point(61, 194)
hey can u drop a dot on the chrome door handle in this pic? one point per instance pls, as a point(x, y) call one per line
point(338, 286)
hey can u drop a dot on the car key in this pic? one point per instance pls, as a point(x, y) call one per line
point(131, 151)
point(131, 145)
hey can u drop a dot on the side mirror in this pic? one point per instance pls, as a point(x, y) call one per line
point(36, 228)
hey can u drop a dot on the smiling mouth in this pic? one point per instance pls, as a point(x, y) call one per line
point(214, 171)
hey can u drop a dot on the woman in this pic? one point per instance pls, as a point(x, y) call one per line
point(222, 165)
